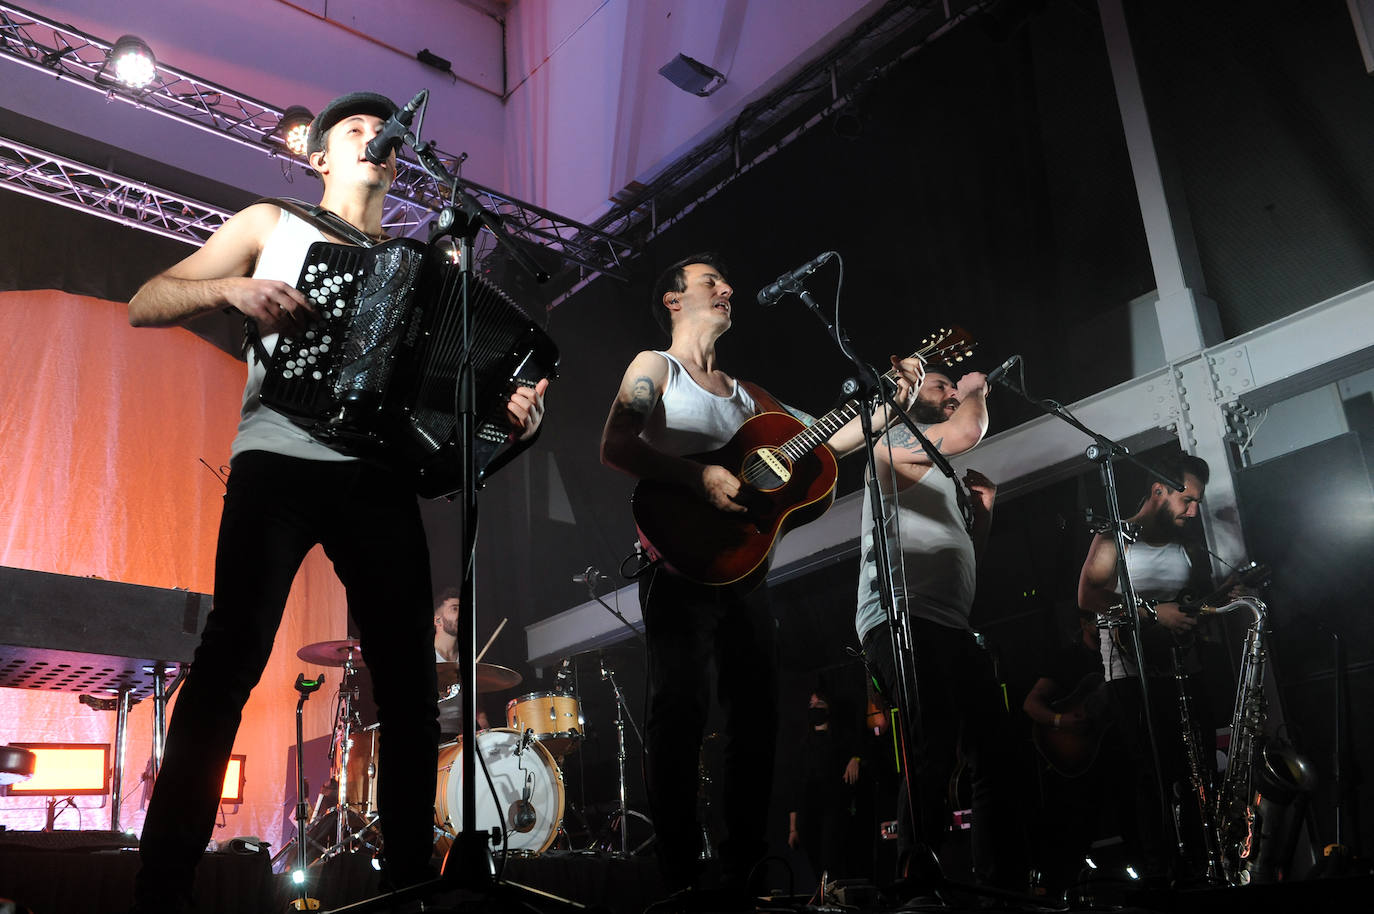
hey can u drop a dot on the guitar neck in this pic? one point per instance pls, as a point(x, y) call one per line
point(821, 431)
point(951, 345)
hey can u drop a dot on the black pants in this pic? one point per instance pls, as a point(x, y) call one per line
point(1149, 827)
point(690, 626)
point(963, 717)
point(275, 510)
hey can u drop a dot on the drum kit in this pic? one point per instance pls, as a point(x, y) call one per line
point(521, 763)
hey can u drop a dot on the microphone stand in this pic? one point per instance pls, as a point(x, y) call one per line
point(868, 385)
point(469, 864)
point(1105, 452)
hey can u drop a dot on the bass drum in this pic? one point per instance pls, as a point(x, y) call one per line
point(531, 824)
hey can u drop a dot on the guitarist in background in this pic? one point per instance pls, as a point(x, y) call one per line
point(673, 403)
point(1069, 727)
point(1161, 565)
point(934, 543)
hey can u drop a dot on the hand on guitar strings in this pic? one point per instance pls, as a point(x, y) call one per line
point(719, 487)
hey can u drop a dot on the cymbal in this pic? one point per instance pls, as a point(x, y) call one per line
point(332, 653)
point(490, 677)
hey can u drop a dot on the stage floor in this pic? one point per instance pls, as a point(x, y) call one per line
point(92, 873)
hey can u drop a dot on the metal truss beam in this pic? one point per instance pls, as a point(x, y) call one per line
point(80, 187)
point(58, 49)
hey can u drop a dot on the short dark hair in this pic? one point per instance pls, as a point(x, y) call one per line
point(674, 279)
point(448, 593)
point(1176, 465)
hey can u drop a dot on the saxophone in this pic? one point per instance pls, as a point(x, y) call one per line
point(1259, 776)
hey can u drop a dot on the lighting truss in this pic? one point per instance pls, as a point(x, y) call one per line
point(59, 49)
point(89, 190)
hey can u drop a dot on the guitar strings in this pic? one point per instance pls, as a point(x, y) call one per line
point(757, 470)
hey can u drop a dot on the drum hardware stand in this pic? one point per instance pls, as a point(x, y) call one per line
point(469, 864)
point(1105, 452)
point(305, 687)
point(346, 837)
point(622, 713)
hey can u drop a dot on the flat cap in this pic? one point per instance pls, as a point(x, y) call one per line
point(342, 107)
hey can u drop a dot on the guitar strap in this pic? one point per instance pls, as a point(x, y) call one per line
point(324, 220)
point(766, 402)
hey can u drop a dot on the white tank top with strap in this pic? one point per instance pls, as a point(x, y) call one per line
point(693, 419)
point(261, 428)
point(1157, 573)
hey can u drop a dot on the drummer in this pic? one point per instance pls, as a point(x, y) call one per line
point(446, 616)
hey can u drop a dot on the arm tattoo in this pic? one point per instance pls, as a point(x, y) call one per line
point(804, 418)
point(901, 439)
point(643, 396)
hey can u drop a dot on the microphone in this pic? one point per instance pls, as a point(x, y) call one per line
point(769, 295)
point(590, 576)
point(393, 132)
point(995, 376)
point(522, 814)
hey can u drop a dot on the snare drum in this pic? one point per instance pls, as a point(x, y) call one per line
point(529, 828)
point(555, 718)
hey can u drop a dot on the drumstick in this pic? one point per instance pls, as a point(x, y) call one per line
point(482, 653)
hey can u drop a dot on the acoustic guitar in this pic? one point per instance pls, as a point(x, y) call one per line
point(1071, 751)
point(788, 478)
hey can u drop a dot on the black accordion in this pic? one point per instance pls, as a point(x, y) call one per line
point(375, 374)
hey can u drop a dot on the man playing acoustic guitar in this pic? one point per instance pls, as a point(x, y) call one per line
point(673, 403)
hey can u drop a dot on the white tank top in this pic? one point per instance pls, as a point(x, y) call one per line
point(1157, 573)
point(933, 565)
point(261, 428)
point(693, 419)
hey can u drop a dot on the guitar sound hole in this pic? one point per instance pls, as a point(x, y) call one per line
point(762, 475)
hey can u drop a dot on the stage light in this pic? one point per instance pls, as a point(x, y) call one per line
point(130, 63)
point(66, 770)
point(294, 128)
point(1092, 864)
point(298, 877)
point(232, 791)
point(15, 765)
point(691, 75)
point(1130, 871)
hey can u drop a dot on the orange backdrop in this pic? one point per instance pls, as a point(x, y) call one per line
point(103, 427)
